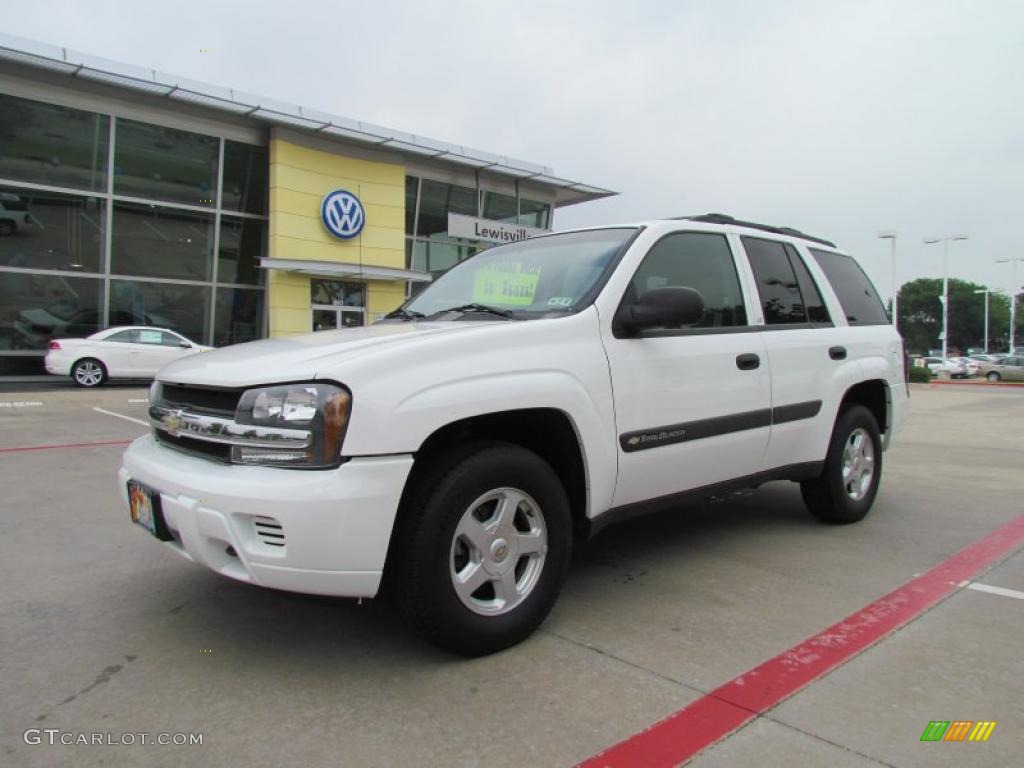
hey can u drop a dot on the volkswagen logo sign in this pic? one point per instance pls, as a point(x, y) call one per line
point(342, 214)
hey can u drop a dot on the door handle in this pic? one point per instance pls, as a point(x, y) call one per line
point(837, 353)
point(748, 362)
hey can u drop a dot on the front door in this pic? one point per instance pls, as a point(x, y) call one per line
point(692, 406)
point(337, 304)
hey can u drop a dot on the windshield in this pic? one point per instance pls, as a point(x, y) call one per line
point(548, 274)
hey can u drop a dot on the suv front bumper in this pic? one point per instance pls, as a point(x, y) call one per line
point(315, 531)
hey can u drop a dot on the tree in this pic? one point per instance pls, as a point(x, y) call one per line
point(920, 320)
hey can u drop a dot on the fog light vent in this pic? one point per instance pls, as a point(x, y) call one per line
point(269, 531)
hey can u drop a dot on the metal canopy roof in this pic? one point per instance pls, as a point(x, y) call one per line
point(346, 269)
point(81, 65)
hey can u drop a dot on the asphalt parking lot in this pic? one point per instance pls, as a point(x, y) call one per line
point(104, 631)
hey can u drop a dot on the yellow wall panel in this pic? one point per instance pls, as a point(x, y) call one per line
point(299, 178)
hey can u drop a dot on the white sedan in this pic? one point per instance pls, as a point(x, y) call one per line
point(118, 353)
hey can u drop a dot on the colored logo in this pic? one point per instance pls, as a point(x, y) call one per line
point(342, 214)
point(958, 730)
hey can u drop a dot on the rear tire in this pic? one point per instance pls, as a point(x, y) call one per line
point(88, 372)
point(481, 548)
point(993, 376)
point(846, 488)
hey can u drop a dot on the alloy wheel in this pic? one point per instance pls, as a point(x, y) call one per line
point(498, 551)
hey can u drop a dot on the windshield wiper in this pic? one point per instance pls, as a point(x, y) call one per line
point(404, 314)
point(473, 307)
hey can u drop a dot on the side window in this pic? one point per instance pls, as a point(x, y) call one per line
point(150, 337)
point(776, 281)
point(124, 337)
point(170, 339)
point(816, 311)
point(857, 296)
point(698, 260)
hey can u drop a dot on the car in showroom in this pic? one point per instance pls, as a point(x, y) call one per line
point(14, 215)
point(1004, 369)
point(533, 394)
point(135, 352)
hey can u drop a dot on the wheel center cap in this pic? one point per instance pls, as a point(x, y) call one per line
point(499, 550)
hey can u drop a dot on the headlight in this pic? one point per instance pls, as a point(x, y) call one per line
point(319, 408)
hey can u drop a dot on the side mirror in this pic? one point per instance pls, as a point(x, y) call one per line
point(663, 308)
point(184, 345)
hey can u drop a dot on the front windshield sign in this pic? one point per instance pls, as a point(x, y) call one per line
point(544, 275)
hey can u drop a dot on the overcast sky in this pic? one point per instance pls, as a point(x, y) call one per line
point(838, 118)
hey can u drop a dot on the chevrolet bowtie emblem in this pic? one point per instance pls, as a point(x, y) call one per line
point(171, 422)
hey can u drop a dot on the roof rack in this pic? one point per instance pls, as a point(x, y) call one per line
point(722, 218)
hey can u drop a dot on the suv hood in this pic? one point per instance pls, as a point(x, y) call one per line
point(307, 356)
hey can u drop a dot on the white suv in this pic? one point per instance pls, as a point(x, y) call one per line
point(533, 393)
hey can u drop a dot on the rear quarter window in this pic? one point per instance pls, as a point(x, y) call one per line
point(857, 296)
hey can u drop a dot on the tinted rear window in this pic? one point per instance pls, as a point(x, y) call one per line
point(857, 296)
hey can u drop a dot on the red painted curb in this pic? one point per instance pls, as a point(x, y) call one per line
point(683, 734)
point(1010, 384)
point(68, 445)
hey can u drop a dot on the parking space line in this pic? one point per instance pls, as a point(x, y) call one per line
point(63, 445)
point(683, 734)
point(121, 416)
point(1001, 591)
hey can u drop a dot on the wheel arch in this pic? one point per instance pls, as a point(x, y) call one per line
point(549, 432)
point(874, 395)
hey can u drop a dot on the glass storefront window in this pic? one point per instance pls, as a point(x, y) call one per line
point(411, 186)
point(437, 201)
point(499, 207)
point(181, 308)
point(37, 308)
point(161, 163)
point(49, 144)
point(534, 214)
point(238, 316)
point(242, 243)
point(245, 178)
point(154, 241)
point(48, 230)
point(437, 256)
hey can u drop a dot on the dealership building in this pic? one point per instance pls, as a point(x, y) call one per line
point(130, 196)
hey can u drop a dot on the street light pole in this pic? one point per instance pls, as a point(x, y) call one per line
point(986, 291)
point(945, 285)
point(1013, 297)
point(890, 235)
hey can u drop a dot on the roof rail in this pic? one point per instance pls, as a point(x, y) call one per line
point(722, 218)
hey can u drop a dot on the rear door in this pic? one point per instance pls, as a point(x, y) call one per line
point(692, 405)
point(805, 351)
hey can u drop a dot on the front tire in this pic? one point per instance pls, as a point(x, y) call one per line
point(846, 488)
point(993, 377)
point(481, 549)
point(88, 372)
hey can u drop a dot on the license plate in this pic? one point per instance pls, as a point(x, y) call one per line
point(144, 506)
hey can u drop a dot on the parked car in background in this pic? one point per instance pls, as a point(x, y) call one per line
point(937, 365)
point(118, 353)
point(1006, 369)
point(971, 366)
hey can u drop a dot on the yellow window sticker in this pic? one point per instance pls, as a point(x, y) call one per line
point(510, 284)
